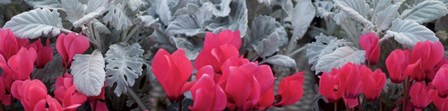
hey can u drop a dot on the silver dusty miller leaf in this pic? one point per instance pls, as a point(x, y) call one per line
point(88, 73)
point(324, 45)
point(35, 23)
point(266, 36)
point(124, 65)
point(282, 60)
point(236, 20)
point(340, 57)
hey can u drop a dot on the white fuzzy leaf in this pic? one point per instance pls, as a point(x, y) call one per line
point(359, 6)
point(88, 73)
point(89, 17)
point(426, 11)
point(52, 4)
point(164, 11)
point(74, 9)
point(192, 50)
point(135, 4)
point(323, 8)
point(184, 24)
point(340, 57)
point(100, 27)
point(124, 65)
point(281, 60)
point(147, 20)
point(323, 45)
point(117, 17)
point(236, 20)
point(35, 23)
point(384, 18)
point(355, 9)
point(302, 16)
point(266, 36)
point(267, 46)
point(223, 5)
point(93, 5)
point(189, 20)
point(408, 32)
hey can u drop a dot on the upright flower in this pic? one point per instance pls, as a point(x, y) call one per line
point(33, 95)
point(291, 89)
point(19, 66)
point(396, 64)
point(441, 103)
point(69, 45)
point(372, 82)
point(370, 43)
point(218, 48)
point(329, 86)
point(66, 93)
point(9, 43)
point(429, 54)
point(44, 53)
point(421, 95)
point(172, 71)
point(207, 95)
point(440, 81)
point(350, 80)
point(247, 83)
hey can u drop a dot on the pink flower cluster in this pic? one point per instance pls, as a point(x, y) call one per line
point(19, 57)
point(423, 70)
point(224, 79)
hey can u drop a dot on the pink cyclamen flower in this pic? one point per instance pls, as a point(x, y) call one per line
point(53, 105)
point(329, 86)
point(44, 53)
point(440, 81)
point(421, 95)
point(429, 54)
point(69, 45)
point(351, 84)
point(207, 95)
point(9, 43)
point(172, 71)
point(66, 93)
point(441, 103)
point(370, 43)
point(372, 82)
point(218, 48)
point(291, 89)
point(396, 63)
point(247, 84)
point(33, 95)
point(19, 66)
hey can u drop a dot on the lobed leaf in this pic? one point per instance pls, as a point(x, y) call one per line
point(124, 65)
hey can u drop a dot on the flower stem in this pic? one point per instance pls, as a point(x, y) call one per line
point(12, 103)
point(405, 93)
point(180, 103)
point(94, 105)
point(381, 105)
point(335, 106)
point(136, 99)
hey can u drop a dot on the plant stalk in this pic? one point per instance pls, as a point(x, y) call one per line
point(335, 106)
point(136, 99)
point(405, 93)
